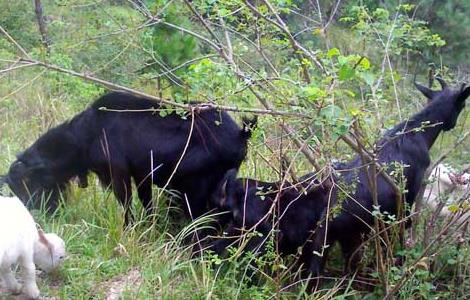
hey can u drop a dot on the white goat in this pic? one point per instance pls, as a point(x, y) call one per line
point(446, 184)
point(23, 244)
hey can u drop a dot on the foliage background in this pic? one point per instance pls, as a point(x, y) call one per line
point(362, 59)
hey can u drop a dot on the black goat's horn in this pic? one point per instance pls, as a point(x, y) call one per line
point(425, 91)
point(442, 82)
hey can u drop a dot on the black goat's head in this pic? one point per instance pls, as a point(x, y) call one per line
point(41, 172)
point(447, 102)
point(247, 200)
point(229, 192)
point(33, 184)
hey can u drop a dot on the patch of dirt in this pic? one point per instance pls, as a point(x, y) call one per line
point(5, 295)
point(116, 286)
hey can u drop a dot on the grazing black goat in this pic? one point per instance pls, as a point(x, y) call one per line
point(192, 154)
point(407, 144)
point(290, 212)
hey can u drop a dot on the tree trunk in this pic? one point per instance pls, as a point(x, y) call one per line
point(42, 25)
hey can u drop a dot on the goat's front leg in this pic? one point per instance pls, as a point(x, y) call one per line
point(9, 279)
point(143, 183)
point(352, 252)
point(28, 271)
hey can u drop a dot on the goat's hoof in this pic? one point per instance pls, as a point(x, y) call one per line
point(15, 288)
point(32, 293)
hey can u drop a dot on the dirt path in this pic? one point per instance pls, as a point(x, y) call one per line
point(112, 289)
point(117, 285)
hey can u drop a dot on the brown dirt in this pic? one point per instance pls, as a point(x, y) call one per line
point(116, 286)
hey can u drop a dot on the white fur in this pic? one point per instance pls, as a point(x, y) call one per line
point(440, 186)
point(20, 244)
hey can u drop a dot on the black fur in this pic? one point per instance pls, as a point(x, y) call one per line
point(402, 145)
point(293, 218)
point(120, 146)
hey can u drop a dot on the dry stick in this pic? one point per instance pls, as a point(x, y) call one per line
point(187, 107)
point(350, 142)
point(280, 24)
point(15, 43)
point(370, 159)
point(294, 44)
point(186, 146)
point(372, 176)
point(332, 15)
point(285, 159)
point(182, 65)
point(9, 69)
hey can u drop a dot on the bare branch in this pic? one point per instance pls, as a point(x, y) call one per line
point(14, 42)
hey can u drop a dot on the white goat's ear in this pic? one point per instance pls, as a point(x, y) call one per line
point(43, 240)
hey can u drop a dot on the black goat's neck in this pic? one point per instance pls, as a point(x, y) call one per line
point(428, 124)
point(431, 120)
point(78, 132)
point(431, 133)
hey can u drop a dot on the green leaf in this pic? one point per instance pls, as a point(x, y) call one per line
point(453, 208)
point(451, 261)
point(333, 52)
point(368, 77)
point(365, 63)
point(313, 93)
point(346, 72)
point(331, 112)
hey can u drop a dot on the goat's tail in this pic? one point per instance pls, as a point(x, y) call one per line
point(249, 124)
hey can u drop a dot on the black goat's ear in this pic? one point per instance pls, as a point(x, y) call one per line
point(442, 82)
point(425, 91)
point(464, 94)
point(227, 184)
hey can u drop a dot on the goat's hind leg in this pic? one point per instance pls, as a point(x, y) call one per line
point(11, 284)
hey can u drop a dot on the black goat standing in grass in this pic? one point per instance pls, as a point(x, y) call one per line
point(298, 214)
point(290, 213)
point(407, 144)
point(190, 155)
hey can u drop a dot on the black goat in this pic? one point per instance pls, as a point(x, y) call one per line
point(407, 144)
point(290, 212)
point(192, 154)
